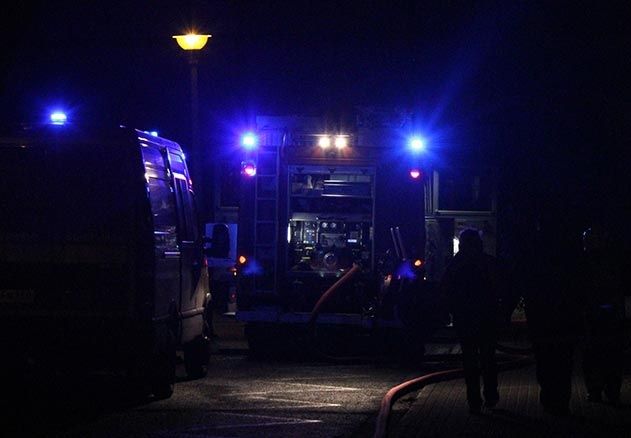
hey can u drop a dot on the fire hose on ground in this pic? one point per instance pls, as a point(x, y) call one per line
point(417, 383)
point(395, 393)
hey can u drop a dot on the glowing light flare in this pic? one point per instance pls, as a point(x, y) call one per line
point(249, 141)
point(248, 168)
point(404, 270)
point(341, 142)
point(191, 41)
point(417, 144)
point(252, 268)
point(324, 142)
point(418, 263)
point(58, 118)
point(415, 173)
point(242, 260)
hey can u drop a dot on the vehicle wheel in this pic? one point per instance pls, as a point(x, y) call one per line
point(163, 380)
point(152, 368)
point(196, 356)
point(163, 369)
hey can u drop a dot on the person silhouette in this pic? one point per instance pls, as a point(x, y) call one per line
point(553, 309)
point(601, 274)
point(471, 288)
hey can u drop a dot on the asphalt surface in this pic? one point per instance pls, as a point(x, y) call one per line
point(240, 397)
point(244, 397)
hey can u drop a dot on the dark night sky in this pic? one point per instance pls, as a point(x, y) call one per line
point(541, 85)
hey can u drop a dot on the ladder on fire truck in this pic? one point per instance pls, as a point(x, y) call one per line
point(266, 206)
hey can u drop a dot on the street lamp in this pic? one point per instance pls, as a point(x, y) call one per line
point(192, 43)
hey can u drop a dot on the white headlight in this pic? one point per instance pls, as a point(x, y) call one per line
point(341, 142)
point(324, 142)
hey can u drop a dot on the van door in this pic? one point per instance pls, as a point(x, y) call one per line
point(191, 300)
point(166, 249)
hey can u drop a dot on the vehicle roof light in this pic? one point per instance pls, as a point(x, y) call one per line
point(341, 142)
point(417, 144)
point(249, 141)
point(58, 118)
point(324, 142)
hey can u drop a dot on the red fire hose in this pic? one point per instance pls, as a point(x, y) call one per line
point(330, 292)
point(398, 391)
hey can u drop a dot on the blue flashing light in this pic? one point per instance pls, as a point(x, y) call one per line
point(249, 141)
point(58, 118)
point(253, 268)
point(417, 144)
point(153, 133)
point(404, 270)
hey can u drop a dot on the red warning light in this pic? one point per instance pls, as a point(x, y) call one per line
point(248, 168)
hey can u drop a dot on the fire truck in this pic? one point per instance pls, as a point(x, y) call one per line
point(332, 233)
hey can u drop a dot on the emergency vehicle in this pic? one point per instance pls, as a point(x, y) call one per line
point(100, 253)
point(332, 231)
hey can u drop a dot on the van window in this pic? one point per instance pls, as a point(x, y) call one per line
point(154, 162)
point(177, 162)
point(186, 215)
point(163, 212)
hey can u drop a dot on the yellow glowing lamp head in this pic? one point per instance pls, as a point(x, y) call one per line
point(192, 41)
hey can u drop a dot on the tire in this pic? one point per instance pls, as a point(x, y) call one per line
point(152, 368)
point(163, 378)
point(196, 357)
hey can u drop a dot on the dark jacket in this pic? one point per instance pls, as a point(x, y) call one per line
point(602, 291)
point(471, 286)
point(553, 297)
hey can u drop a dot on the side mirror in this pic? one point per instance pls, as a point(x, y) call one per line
point(219, 243)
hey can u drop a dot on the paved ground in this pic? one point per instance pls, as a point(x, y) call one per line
point(440, 410)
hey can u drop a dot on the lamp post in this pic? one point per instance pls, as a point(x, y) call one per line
point(192, 43)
